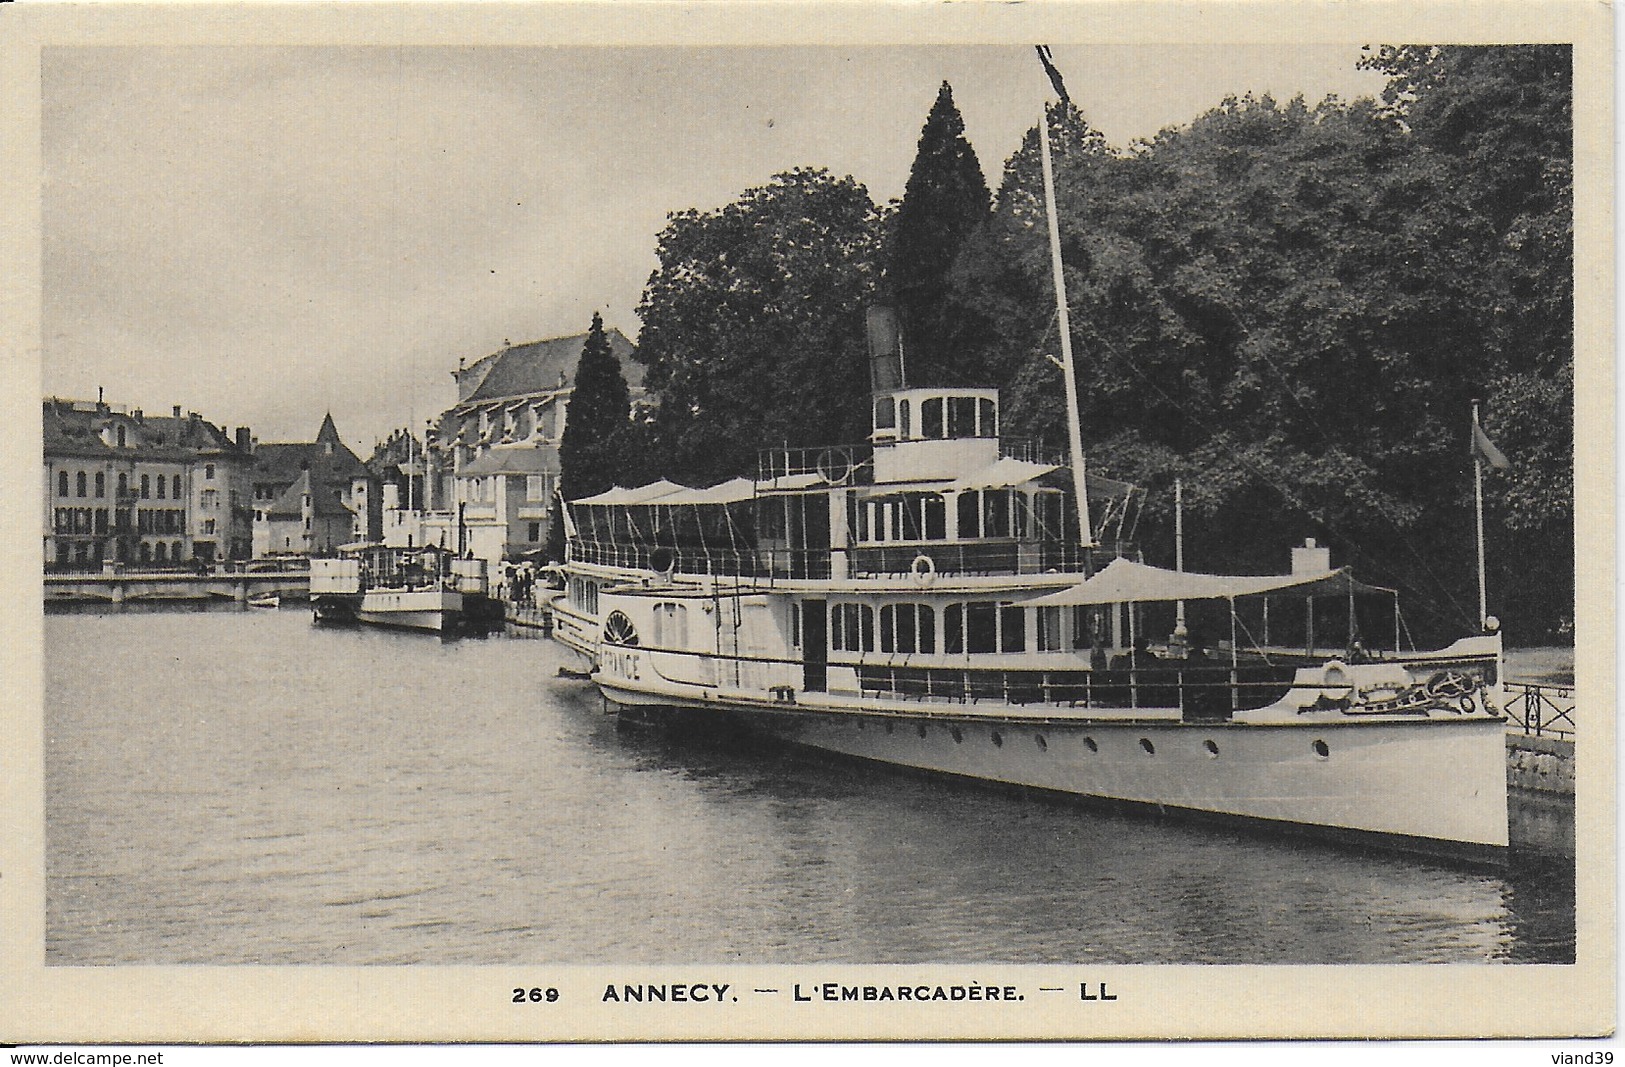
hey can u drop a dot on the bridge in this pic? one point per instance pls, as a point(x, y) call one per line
point(155, 585)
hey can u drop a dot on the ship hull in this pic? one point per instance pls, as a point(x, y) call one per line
point(1425, 786)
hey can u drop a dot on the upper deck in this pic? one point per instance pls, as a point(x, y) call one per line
point(936, 488)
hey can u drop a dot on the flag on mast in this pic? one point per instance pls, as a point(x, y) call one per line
point(1485, 449)
point(1045, 58)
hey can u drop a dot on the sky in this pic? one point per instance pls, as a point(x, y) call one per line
point(265, 235)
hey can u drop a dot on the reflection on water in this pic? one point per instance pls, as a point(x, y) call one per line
point(243, 787)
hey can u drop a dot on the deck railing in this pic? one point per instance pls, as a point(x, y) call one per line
point(1541, 710)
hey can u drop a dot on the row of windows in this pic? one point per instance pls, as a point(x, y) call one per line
point(977, 626)
point(91, 552)
point(940, 417)
point(978, 513)
point(81, 484)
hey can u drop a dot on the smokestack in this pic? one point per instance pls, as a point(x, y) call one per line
point(885, 350)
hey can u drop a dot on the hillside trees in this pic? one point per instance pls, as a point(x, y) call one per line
point(753, 325)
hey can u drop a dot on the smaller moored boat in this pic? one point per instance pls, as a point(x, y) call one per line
point(421, 588)
point(268, 600)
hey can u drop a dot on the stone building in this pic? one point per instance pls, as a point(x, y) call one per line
point(492, 460)
point(311, 497)
point(122, 486)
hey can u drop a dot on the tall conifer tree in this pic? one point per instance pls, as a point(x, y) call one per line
point(945, 202)
point(595, 427)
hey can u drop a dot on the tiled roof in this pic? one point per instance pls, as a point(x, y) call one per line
point(322, 501)
point(538, 367)
point(513, 461)
point(278, 463)
point(74, 428)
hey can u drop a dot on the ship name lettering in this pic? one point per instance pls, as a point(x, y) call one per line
point(667, 993)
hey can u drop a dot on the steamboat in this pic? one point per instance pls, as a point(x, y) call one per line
point(947, 599)
point(423, 588)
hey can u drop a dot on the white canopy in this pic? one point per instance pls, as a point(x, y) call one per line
point(1123, 581)
point(1003, 473)
point(643, 494)
point(730, 492)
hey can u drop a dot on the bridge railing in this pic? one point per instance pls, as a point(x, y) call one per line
point(1539, 710)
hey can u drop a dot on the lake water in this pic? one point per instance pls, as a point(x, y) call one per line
point(243, 787)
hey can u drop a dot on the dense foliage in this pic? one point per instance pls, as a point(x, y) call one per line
point(753, 325)
point(1290, 308)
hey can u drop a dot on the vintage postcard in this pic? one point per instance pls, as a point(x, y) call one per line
point(734, 521)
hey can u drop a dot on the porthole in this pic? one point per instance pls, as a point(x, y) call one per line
point(1043, 745)
point(998, 739)
point(1212, 748)
point(958, 737)
point(1322, 750)
point(922, 729)
point(1089, 743)
point(1150, 749)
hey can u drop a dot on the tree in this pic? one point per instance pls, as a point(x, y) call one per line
point(944, 203)
point(591, 451)
point(753, 325)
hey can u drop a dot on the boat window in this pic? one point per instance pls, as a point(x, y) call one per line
point(1050, 638)
point(953, 629)
point(671, 625)
point(987, 421)
point(903, 430)
point(795, 624)
point(962, 416)
point(857, 518)
point(996, 513)
point(931, 417)
point(885, 413)
point(970, 514)
point(1086, 622)
point(907, 628)
point(981, 628)
point(936, 517)
point(852, 628)
point(1012, 628)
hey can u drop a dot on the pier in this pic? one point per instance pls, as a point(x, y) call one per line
point(110, 587)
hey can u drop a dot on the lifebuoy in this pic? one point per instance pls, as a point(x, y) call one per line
point(1335, 675)
point(923, 569)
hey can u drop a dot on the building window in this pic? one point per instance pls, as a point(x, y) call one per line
point(536, 487)
point(123, 485)
point(101, 485)
point(177, 487)
point(208, 527)
point(535, 532)
point(211, 499)
point(146, 487)
point(161, 484)
point(208, 471)
point(160, 552)
point(79, 484)
point(61, 483)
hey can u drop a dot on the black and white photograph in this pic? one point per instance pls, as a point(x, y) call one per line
point(853, 522)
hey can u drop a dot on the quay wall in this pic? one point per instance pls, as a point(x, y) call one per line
point(1540, 764)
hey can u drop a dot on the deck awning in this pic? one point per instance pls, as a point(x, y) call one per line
point(642, 494)
point(1004, 473)
point(730, 492)
point(1123, 581)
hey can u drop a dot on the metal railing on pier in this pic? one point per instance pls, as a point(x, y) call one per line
point(1541, 710)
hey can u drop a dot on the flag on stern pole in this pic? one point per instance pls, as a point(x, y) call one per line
point(1045, 58)
point(1484, 448)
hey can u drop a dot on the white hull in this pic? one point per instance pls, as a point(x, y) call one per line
point(431, 610)
point(1426, 785)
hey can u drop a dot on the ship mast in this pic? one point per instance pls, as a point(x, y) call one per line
point(1074, 432)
